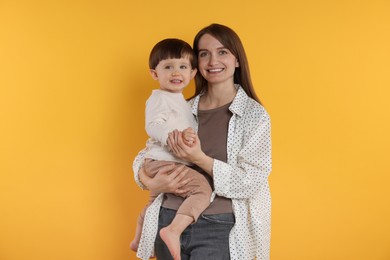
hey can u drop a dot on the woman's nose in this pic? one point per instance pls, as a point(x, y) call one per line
point(213, 59)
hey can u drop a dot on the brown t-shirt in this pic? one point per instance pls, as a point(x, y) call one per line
point(212, 131)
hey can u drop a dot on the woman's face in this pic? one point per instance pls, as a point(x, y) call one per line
point(215, 62)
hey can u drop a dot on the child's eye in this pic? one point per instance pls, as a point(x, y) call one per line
point(183, 67)
point(168, 67)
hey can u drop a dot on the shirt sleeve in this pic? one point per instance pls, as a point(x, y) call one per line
point(244, 178)
point(157, 118)
point(137, 164)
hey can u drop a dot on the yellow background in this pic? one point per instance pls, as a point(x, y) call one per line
point(74, 79)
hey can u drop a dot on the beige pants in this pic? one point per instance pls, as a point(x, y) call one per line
point(196, 200)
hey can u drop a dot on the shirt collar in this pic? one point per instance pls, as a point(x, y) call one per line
point(239, 102)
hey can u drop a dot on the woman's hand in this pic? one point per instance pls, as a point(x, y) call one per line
point(193, 153)
point(169, 179)
point(183, 151)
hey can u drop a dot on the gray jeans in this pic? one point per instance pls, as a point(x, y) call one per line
point(207, 239)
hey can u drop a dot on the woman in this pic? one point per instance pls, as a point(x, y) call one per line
point(233, 150)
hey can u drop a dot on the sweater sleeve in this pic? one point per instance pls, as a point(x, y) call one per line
point(157, 118)
point(137, 164)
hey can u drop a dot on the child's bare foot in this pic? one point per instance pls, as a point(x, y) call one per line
point(172, 240)
point(134, 246)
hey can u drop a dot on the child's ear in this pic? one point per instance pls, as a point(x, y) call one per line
point(154, 75)
point(193, 73)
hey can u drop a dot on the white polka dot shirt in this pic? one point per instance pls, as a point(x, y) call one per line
point(244, 179)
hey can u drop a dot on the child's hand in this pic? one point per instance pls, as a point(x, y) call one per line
point(189, 136)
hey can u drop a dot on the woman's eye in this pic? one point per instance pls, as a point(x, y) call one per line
point(223, 52)
point(203, 54)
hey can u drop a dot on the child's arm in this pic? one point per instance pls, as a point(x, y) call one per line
point(158, 117)
point(189, 136)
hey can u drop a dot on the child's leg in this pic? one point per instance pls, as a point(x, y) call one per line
point(196, 201)
point(198, 198)
point(171, 234)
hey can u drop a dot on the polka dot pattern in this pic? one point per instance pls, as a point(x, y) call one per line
point(149, 230)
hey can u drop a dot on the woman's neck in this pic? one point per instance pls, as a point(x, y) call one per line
point(217, 96)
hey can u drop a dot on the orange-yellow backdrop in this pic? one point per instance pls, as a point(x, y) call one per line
point(74, 79)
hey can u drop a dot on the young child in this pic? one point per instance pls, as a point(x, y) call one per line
point(172, 63)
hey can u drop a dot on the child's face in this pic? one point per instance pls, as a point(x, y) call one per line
point(173, 75)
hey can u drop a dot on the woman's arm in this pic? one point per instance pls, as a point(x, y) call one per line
point(169, 178)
